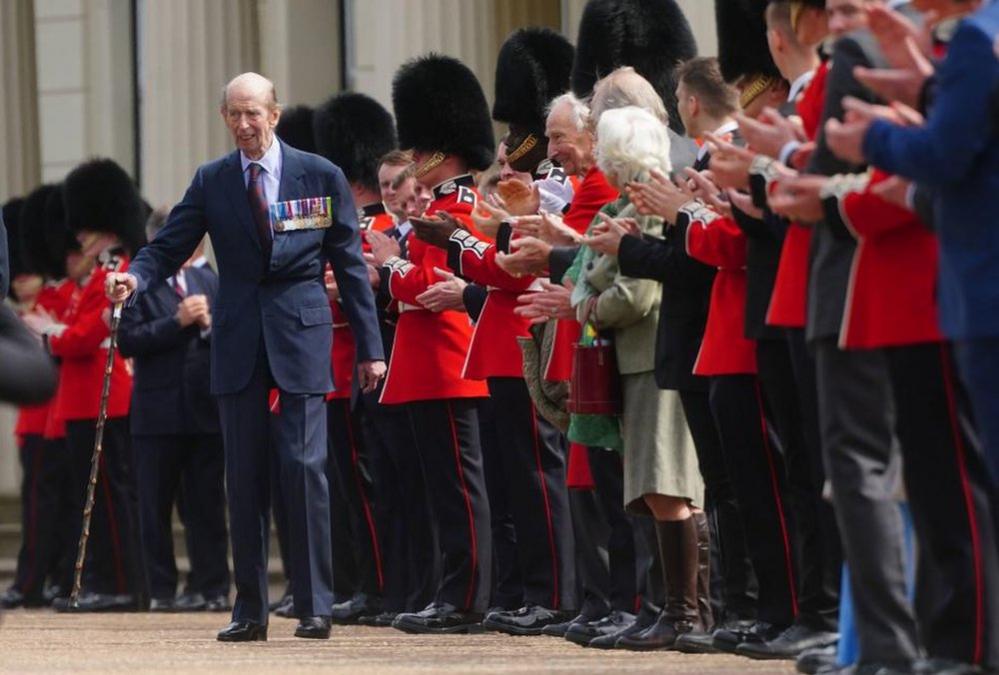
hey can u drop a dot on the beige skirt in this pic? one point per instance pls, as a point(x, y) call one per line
point(659, 456)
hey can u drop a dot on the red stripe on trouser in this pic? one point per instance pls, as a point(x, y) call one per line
point(969, 504)
point(468, 507)
point(548, 507)
point(119, 569)
point(31, 545)
point(375, 549)
point(775, 486)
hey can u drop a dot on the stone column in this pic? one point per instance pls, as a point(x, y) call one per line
point(300, 49)
point(189, 49)
point(21, 169)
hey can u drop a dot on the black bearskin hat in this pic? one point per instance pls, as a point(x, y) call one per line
point(651, 36)
point(440, 107)
point(295, 128)
point(101, 197)
point(533, 67)
point(12, 221)
point(34, 246)
point(743, 54)
point(59, 240)
point(354, 131)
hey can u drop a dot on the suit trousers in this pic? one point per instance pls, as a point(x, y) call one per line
point(756, 469)
point(187, 469)
point(279, 511)
point(447, 439)
point(410, 557)
point(532, 457)
point(299, 441)
point(44, 483)
point(114, 555)
point(348, 472)
point(978, 360)
point(856, 420)
point(733, 585)
point(794, 411)
point(953, 510)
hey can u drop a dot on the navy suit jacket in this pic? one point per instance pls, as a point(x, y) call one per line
point(4, 262)
point(957, 155)
point(171, 388)
point(284, 304)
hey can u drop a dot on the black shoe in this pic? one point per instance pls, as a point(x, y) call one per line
point(348, 613)
point(813, 660)
point(660, 635)
point(52, 592)
point(11, 598)
point(380, 620)
point(644, 619)
point(286, 609)
point(583, 633)
point(243, 631)
point(439, 618)
point(791, 642)
point(285, 598)
point(727, 639)
point(218, 603)
point(703, 642)
point(559, 629)
point(189, 602)
point(162, 605)
point(99, 602)
point(528, 620)
point(315, 627)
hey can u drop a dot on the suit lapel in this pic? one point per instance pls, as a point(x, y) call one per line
point(292, 173)
point(235, 189)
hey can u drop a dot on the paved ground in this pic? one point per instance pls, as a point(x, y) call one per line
point(41, 641)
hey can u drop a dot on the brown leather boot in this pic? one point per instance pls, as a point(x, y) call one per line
point(704, 571)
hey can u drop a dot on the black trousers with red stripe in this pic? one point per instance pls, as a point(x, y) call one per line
point(114, 557)
point(447, 439)
point(792, 401)
point(957, 584)
point(44, 489)
point(756, 469)
point(355, 531)
point(532, 454)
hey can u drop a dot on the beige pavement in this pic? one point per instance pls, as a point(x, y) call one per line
point(44, 642)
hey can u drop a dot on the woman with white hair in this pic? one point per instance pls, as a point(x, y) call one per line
point(661, 474)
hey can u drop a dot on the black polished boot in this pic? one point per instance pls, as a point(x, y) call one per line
point(243, 631)
point(704, 612)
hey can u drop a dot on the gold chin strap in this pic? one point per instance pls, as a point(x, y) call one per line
point(525, 147)
point(754, 87)
point(432, 163)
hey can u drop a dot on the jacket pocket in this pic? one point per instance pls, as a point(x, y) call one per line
point(315, 316)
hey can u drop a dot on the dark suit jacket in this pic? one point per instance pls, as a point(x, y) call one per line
point(27, 373)
point(171, 389)
point(684, 309)
point(4, 262)
point(282, 303)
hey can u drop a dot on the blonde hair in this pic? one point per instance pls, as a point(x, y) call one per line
point(631, 142)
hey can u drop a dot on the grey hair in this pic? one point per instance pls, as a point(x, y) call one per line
point(631, 142)
point(625, 87)
point(580, 111)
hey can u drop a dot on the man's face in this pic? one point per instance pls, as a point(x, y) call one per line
point(390, 197)
point(686, 106)
point(78, 265)
point(251, 117)
point(26, 286)
point(845, 16)
point(571, 147)
point(505, 170)
point(414, 198)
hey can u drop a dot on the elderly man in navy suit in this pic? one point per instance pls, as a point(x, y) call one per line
point(276, 215)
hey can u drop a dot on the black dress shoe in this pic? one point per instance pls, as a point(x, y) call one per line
point(584, 632)
point(644, 619)
point(315, 627)
point(528, 620)
point(380, 620)
point(11, 598)
point(660, 635)
point(791, 642)
point(285, 597)
point(348, 613)
point(286, 610)
point(189, 602)
point(218, 603)
point(99, 602)
point(162, 605)
point(702, 642)
point(439, 618)
point(243, 631)
point(815, 659)
point(728, 639)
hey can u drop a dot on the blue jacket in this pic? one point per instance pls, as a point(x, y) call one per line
point(957, 155)
point(4, 262)
point(285, 305)
point(170, 389)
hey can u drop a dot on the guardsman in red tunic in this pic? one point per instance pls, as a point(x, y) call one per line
point(105, 211)
point(442, 115)
point(354, 131)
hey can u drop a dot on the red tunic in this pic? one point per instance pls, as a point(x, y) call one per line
point(342, 354)
point(32, 419)
point(83, 348)
point(891, 299)
point(788, 301)
point(718, 241)
point(429, 352)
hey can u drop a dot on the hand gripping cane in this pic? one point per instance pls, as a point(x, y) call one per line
point(95, 461)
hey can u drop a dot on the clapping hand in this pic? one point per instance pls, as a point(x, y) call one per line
point(552, 302)
point(529, 255)
point(436, 231)
point(606, 236)
point(658, 197)
point(768, 134)
point(729, 163)
point(707, 190)
point(798, 198)
point(487, 218)
point(445, 294)
point(382, 246)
